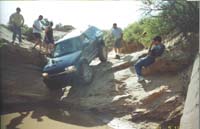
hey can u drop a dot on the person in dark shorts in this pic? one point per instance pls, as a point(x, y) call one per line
point(154, 52)
point(49, 39)
point(37, 29)
point(118, 35)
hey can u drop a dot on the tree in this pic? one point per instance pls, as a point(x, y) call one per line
point(179, 14)
point(65, 28)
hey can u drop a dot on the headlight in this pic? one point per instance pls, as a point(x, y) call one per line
point(45, 74)
point(70, 69)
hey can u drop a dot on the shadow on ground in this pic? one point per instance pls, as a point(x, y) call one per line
point(69, 110)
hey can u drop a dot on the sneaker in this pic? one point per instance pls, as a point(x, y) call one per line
point(32, 48)
point(117, 57)
point(140, 79)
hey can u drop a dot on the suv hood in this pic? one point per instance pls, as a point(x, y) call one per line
point(58, 64)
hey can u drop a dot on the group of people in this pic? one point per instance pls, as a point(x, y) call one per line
point(156, 48)
point(16, 21)
point(48, 38)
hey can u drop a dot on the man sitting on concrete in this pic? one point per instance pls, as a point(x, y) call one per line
point(154, 52)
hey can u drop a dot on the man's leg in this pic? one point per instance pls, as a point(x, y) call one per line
point(20, 34)
point(138, 67)
point(14, 34)
point(115, 48)
point(52, 47)
point(40, 43)
point(46, 47)
point(146, 61)
point(36, 42)
point(117, 51)
point(117, 45)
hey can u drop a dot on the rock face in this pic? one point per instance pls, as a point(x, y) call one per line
point(21, 75)
point(161, 112)
point(180, 52)
point(190, 118)
point(131, 47)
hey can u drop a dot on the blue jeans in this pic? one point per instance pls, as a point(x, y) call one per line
point(16, 31)
point(143, 62)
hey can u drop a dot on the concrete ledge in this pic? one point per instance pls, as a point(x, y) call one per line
point(190, 118)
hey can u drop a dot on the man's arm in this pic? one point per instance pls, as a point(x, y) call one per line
point(35, 27)
point(11, 19)
point(22, 20)
point(111, 33)
point(150, 47)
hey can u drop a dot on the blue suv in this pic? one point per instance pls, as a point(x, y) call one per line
point(69, 62)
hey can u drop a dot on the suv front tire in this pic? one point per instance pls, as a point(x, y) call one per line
point(86, 73)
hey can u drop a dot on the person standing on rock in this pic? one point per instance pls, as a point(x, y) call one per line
point(37, 29)
point(16, 21)
point(48, 38)
point(156, 49)
point(118, 36)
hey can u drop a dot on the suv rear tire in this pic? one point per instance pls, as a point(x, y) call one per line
point(103, 54)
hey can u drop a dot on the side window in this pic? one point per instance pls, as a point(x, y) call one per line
point(99, 33)
point(91, 33)
point(78, 43)
point(84, 38)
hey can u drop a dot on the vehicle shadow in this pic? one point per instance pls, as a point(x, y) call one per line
point(70, 110)
point(17, 121)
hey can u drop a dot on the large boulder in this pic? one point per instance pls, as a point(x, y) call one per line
point(161, 112)
point(21, 75)
point(131, 47)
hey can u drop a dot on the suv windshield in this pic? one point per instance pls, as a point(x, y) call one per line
point(67, 47)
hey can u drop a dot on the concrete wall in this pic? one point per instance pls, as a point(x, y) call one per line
point(190, 118)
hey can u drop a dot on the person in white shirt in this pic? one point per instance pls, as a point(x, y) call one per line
point(118, 35)
point(37, 29)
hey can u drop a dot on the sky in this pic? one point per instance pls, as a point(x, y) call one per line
point(76, 13)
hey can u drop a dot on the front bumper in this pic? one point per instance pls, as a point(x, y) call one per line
point(62, 78)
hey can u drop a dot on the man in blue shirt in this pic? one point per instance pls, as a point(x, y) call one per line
point(154, 52)
point(118, 35)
